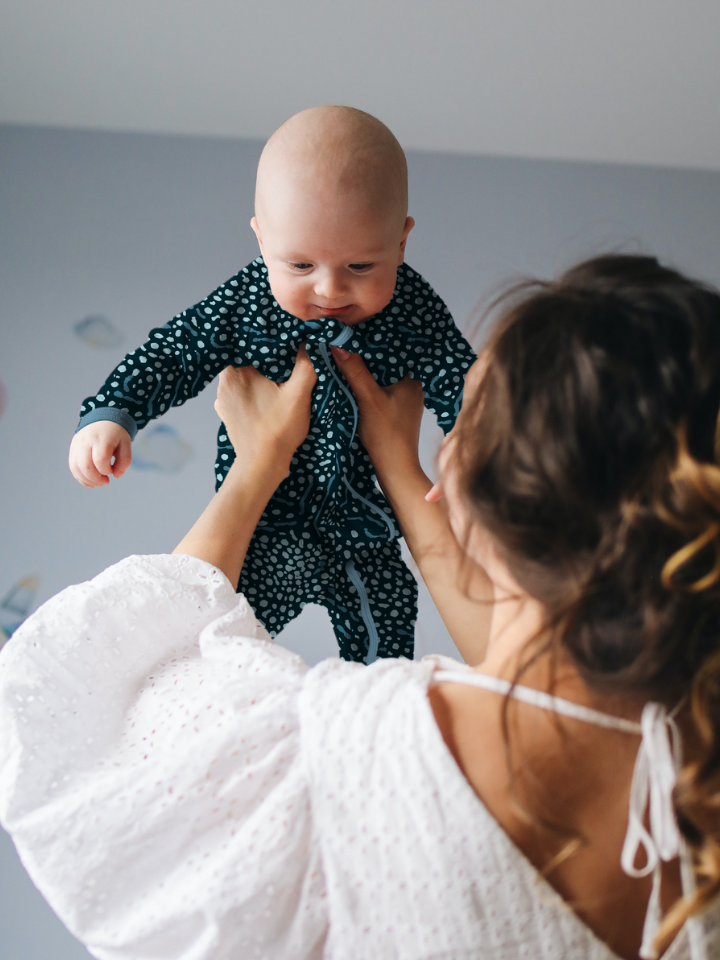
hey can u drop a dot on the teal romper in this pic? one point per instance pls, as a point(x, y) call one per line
point(328, 535)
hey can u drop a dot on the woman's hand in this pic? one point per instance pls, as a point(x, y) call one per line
point(266, 422)
point(263, 418)
point(390, 417)
point(390, 429)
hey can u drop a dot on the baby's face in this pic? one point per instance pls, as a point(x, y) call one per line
point(329, 256)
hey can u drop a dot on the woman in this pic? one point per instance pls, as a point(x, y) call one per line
point(179, 786)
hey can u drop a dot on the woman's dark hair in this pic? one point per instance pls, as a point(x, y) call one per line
point(589, 451)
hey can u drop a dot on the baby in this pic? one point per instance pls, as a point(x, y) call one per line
point(331, 221)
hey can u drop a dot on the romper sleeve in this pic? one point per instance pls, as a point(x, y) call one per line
point(176, 362)
point(151, 774)
point(446, 359)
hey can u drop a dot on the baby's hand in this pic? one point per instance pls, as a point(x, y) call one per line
point(92, 450)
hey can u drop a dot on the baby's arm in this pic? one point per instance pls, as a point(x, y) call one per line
point(98, 450)
point(445, 363)
point(173, 365)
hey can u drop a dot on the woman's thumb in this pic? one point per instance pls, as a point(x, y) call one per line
point(352, 366)
point(303, 376)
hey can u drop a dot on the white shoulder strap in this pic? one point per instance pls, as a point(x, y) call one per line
point(537, 698)
point(658, 761)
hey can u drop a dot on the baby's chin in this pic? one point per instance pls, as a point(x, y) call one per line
point(351, 315)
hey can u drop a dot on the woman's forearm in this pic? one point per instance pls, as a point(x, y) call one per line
point(460, 589)
point(222, 534)
point(390, 420)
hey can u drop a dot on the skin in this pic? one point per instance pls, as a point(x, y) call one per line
point(266, 423)
point(331, 214)
point(331, 222)
point(99, 451)
point(571, 772)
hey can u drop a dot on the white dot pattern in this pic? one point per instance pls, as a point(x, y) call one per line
point(178, 786)
point(329, 510)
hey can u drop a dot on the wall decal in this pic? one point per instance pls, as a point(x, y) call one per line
point(16, 605)
point(97, 331)
point(161, 448)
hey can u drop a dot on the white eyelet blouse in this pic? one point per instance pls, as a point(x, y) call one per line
point(179, 786)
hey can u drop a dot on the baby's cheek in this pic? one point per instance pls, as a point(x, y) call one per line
point(288, 298)
point(379, 295)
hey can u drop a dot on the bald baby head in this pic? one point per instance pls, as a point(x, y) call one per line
point(331, 214)
point(334, 154)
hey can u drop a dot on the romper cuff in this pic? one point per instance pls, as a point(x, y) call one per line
point(121, 417)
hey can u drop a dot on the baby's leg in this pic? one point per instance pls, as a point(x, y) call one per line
point(283, 572)
point(373, 605)
point(372, 601)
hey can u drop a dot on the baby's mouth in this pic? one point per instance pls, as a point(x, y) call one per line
point(333, 311)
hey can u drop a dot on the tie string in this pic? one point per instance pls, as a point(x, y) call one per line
point(656, 770)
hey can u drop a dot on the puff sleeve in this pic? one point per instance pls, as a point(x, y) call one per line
point(151, 773)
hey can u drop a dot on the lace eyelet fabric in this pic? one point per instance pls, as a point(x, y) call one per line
point(180, 786)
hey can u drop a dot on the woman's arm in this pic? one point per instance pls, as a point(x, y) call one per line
point(390, 429)
point(265, 422)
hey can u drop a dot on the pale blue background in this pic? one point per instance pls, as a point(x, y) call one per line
point(137, 227)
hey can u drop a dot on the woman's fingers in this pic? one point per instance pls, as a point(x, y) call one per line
point(234, 389)
point(389, 416)
point(357, 375)
point(247, 387)
point(303, 377)
point(365, 388)
point(260, 414)
point(434, 494)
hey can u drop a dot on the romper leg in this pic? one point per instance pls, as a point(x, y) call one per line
point(381, 609)
point(281, 573)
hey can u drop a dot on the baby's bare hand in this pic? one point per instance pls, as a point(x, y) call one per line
point(263, 416)
point(98, 451)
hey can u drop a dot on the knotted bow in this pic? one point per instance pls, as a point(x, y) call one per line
point(328, 330)
point(656, 768)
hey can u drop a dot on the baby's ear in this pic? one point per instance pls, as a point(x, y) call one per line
point(409, 224)
point(256, 229)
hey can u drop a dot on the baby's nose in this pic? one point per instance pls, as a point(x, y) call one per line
point(329, 285)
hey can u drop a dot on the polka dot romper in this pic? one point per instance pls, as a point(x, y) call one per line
point(328, 535)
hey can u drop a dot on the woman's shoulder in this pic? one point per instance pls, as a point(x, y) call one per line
point(382, 693)
point(370, 703)
point(368, 735)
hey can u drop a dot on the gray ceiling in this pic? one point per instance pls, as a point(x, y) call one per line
point(634, 81)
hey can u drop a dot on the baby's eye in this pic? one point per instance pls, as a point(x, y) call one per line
point(300, 266)
point(360, 266)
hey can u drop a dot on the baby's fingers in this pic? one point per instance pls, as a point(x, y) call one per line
point(102, 454)
point(81, 465)
point(123, 457)
point(90, 476)
point(78, 474)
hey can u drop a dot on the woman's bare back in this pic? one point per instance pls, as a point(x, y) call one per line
point(566, 808)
